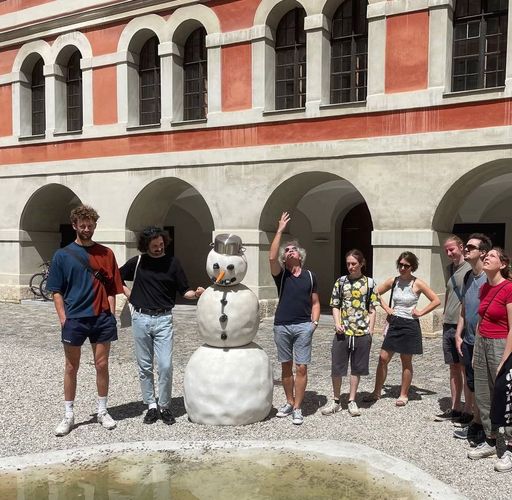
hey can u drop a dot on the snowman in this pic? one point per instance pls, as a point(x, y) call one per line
point(228, 380)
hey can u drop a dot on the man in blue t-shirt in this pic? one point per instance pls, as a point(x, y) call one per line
point(295, 320)
point(474, 252)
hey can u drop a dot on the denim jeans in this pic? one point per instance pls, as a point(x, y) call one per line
point(153, 337)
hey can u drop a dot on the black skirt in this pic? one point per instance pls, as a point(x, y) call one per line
point(404, 336)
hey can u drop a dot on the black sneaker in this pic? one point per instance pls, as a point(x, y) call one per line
point(167, 417)
point(151, 416)
point(453, 415)
point(464, 420)
point(476, 435)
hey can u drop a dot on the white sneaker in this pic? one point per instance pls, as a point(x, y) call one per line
point(65, 426)
point(331, 408)
point(483, 450)
point(285, 410)
point(504, 464)
point(353, 409)
point(106, 421)
point(297, 418)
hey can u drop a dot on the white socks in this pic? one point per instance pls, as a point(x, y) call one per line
point(102, 404)
point(152, 405)
point(69, 408)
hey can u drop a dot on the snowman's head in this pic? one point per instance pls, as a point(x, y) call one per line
point(226, 264)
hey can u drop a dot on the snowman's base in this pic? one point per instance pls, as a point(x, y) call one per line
point(228, 386)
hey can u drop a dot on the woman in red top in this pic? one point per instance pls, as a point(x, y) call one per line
point(493, 344)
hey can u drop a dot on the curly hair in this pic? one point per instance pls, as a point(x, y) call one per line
point(409, 257)
point(148, 234)
point(300, 250)
point(83, 212)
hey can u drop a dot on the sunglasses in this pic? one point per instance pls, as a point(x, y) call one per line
point(469, 248)
point(290, 249)
point(404, 266)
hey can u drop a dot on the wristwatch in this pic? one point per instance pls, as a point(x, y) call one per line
point(315, 322)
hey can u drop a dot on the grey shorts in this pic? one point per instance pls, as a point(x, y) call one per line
point(451, 356)
point(294, 342)
point(353, 349)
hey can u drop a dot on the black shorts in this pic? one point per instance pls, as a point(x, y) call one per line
point(98, 329)
point(451, 356)
point(355, 349)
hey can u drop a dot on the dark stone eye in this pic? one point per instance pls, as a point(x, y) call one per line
point(223, 336)
point(231, 267)
point(233, 280)
point(215, 266)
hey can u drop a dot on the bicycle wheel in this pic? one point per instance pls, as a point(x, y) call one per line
point(46, 294)
point(35, 283)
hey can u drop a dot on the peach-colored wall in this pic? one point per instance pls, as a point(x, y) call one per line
point(483, 115)
point(7, 57)
point(7, 6)
point(234, 15)
point(6, 107)
point(104, 39)
point(105, 95)
point(236, 77)
point(407, 52)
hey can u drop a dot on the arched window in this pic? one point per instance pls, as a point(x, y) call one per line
point(479, 44)
point(149, 82)
point(195, 76)
point(74, 93)
point(349, 52)
point(38, 99)
point(290, 50)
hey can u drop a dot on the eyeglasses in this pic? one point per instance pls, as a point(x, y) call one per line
point(290, 249)
point(405, 266)
point(470, 248)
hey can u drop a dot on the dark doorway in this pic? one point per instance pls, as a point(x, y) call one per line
point(495, 231)
point(67, 234)
point(356, 232)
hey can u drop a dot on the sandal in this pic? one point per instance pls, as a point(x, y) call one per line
point(401, 402)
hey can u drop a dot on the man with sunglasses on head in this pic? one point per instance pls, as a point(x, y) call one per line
point(295, 320)
point(456, 270)
point(474, 252)
point(156, 277)
point(85, 280)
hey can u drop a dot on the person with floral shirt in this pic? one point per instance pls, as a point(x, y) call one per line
point(353, 303)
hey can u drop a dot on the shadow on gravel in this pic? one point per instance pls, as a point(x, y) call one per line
point(393, 392)
point(138, 408)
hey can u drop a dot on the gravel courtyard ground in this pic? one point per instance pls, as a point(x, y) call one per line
point(31, 364)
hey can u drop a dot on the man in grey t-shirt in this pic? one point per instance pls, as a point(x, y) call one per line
point(474, 252)
point(453, 247)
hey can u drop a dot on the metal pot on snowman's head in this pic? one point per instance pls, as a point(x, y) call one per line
point(226, 264)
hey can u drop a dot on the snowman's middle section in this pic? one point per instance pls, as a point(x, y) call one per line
point(228, 316)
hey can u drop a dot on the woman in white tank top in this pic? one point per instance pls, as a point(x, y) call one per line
point(404, 332)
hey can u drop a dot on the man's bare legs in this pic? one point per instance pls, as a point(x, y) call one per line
point(72, 363)
point(456, 385)
point(294, 388)
point(101, 353)
point(382, 372)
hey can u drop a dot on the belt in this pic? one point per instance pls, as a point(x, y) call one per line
point(152, 312)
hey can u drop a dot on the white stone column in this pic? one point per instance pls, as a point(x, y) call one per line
point(214, 74)
point(128, 89)
point(508, 63)
point(21, 105)
point(263, 68)
point(376, 52)
point(87, 94)
point(166, 51)
point(440, 44)
point(317, 63)
point(55, 104)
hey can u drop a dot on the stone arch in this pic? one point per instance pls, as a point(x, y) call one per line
point(65, 44)
point(270, 13)
point(318, 202)
point(477, 198)
point(139, 30)
point(175, 204)
point(185, 19)
point(38, 48)
point(44, 225)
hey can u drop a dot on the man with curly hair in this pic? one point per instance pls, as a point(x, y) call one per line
point(84, 279)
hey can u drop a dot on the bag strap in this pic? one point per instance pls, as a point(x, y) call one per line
point(369, 291)
point(493, 297)
point(392, 290)
point(456, 289)
point(136, 267)
point(96, 273)
point(282, 281)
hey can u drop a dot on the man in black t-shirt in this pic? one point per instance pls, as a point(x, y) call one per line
point(156, 278)
point(295, 320)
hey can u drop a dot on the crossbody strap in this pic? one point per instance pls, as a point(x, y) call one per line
point(493, 297)
point(392, 290)
point(96, 273)
point(136, 267)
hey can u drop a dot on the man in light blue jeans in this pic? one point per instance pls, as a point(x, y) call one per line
point(156, 278)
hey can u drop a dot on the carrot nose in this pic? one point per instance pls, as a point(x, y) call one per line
point(220, 276)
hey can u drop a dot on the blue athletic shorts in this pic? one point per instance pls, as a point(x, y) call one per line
point(98, 329)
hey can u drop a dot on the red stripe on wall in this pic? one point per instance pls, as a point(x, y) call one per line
point(447, 118)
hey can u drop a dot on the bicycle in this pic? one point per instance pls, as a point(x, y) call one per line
point(38, 282)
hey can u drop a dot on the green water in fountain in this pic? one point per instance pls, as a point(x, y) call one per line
point(225, 475)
